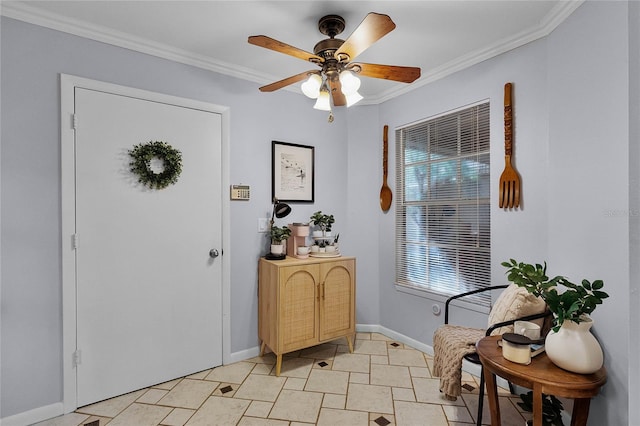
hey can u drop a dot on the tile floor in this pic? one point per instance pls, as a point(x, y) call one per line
point(383, 383)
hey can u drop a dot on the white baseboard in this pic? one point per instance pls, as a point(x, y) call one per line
point(34, 416)
point(375, 328)
point(244, 354)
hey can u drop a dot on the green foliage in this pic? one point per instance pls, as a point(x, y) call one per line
point(279, 234)
point(142, 154)
point(551, 408)
point(323, 221)
point(577, 299)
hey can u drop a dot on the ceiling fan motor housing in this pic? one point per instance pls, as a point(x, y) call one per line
point(330, 25)
point(327, 47)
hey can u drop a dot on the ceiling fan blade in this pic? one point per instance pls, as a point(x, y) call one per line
point(388, 72)
point(371, 29)
point(336, 92)
point(287, 81)
point(278, 46)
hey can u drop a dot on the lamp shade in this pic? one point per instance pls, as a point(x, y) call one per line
point(323, 102)
point(281, 210)
point(353, 98)
point(311, 87)
point(350, 83)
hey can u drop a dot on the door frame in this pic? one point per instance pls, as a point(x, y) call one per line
point(68, 83)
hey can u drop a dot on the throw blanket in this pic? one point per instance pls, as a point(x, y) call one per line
point(450, 344)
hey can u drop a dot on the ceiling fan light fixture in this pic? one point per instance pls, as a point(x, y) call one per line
point(337, 82)
point(323, 103)
point(350, 83)
point(353, 98)
point(311, 87)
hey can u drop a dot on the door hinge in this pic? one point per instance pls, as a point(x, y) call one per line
point(74, 242)
point(74, 121)
point(77, 358)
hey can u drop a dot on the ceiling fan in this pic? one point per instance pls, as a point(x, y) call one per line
point(335, 57)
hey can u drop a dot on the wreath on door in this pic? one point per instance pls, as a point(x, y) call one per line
point(171, 158)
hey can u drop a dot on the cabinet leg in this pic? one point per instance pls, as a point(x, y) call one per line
point(263, 346)
point(278, 364)
point(350, 343)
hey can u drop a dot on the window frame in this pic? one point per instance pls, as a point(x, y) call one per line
point(434, 291)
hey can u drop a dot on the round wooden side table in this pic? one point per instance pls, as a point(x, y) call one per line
point(542, 376)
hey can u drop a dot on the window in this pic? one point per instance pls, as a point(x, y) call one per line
point(443, 212)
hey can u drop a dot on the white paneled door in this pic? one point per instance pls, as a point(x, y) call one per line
point(149, 287)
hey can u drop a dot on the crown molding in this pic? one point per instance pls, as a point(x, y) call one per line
point(32, 15)
point(547, 25)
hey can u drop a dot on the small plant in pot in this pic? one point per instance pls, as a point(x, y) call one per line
point(322, 221)
point(574, 304)
point(551, 409)
point(278, 235)
point(570, 345)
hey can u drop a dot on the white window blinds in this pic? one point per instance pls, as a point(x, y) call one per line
point(442, 209)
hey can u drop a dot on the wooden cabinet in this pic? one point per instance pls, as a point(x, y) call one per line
point(302, 303)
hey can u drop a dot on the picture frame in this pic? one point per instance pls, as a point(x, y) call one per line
point(292, 172)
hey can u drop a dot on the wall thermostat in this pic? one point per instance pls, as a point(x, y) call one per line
point(240, 192)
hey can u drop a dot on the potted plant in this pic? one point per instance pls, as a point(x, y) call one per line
point(278, 235)
point(574, 304)
point(570, 344)
point(322, 221)
point(551, 409)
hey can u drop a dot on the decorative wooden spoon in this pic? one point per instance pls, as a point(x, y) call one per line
point(385, 192)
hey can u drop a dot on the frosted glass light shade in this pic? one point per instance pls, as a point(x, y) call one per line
point(311, 87)
point(353, 98)
point(350, 83)
point(323, 103)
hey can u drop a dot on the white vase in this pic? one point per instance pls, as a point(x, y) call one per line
point(574, 348)
point(277, 249)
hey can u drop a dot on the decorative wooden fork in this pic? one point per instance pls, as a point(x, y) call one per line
point(509, 179)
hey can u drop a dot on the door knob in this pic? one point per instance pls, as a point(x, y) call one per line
point(214, 253)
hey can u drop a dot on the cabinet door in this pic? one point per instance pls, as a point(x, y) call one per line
point(337, 307)
point(299, 293)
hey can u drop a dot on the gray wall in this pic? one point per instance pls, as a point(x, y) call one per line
point(32, 58)
point(574, 116)
point(574, 137)
point(634, 210)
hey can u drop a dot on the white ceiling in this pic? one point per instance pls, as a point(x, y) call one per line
point(440, 37)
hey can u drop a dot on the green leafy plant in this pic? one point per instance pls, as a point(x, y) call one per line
point(573, 304)
point(322, 221)
point(279, 234)
point(551, 408)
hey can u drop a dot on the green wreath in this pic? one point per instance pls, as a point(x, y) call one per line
point(142, 155)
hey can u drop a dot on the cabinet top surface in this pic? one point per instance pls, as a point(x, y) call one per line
point(292, 261)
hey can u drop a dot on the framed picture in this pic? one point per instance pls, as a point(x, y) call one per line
point(292, 172)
